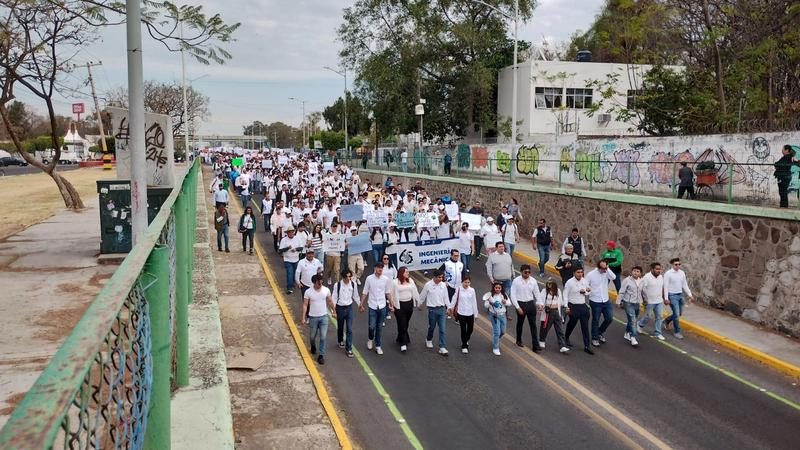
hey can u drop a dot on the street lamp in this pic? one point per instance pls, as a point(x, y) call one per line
point(344, 74)
point(419, 109)
point(186, 105)
point(515, 19)
point(303, 122)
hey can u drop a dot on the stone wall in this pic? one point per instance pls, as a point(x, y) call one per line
point(747, 265)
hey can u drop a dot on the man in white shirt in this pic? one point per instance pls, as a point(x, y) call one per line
point(216, 184)
point(316, 302)
point(434, 296)
point(404, 160)
point(655, 296)
point(306, 269)
point(598, 280)
point(524, 296)
point(345, 293)
point(575, 291)
point(676, 286)
point(221, 197)
point(453, 270)
point(377, 289)
point(290, 247)
point(333, 257)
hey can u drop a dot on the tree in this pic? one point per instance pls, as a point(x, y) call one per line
point(40, 37)
point(167, 98)
point(279, 134)
point(357, 117)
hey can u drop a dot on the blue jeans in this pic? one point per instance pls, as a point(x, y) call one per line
point(245, 200)
point(606, 309)
point(656, 310)
point(319, 327)
point(465, 261)
point(375, 324)
point(498, 329)
point(506, 286)
point(632, 312)
point(405, 166)
point(676, 302)
point(544, 256)
point(290, 268)
point(437, 317)
point(377, 253)
point(224, 232)
point(344, 325)
point(510, 248)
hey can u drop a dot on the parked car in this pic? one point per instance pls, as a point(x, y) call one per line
point(11, 161)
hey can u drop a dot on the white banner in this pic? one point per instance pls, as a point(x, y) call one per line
point(333, 242)
point(492, 239)
point(379, 218)
point(425, 255)
point(159, 148)
point(474, 221)
point(452, 210)
point(427, 220)
point(313, 167)
point(327, 166)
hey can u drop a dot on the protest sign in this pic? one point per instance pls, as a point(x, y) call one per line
point(236, 162)
point(283, 160)
point(332, 242)
point(327, 166)
point(474, 220)
point(266, 164)
point(425, 255)
point(374, 195)
point(358, 244)
point(404, 220)
point(313, 167)
point(491, 239)
point(452, 210)
point(352, 212)
point(427, 220)
point(377, 218)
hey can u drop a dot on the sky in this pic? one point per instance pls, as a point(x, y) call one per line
point(280, 51)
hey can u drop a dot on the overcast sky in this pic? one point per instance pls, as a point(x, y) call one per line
point(281, 48)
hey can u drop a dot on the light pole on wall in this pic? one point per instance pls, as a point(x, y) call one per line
point(303, 122)
point(344, 74)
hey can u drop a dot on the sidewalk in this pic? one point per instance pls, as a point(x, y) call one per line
point(277, 405)
point(49, 275)
point(766, 346)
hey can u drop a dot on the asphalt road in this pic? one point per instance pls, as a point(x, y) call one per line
point(679, 394)
point(22, 170)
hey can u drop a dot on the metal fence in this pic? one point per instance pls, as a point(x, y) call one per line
point(749, 183)
point(109, 385)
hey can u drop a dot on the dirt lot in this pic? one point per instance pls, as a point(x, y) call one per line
point(29, 199)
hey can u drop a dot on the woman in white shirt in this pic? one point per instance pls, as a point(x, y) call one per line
point(247, 226)
point(405, 297)
point(377, 237)
point(466, 244)
point(497, 302)
point(553, 301)
point(465, 309)
point(510, 235)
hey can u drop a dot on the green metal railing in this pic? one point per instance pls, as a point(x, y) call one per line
point(109, 384)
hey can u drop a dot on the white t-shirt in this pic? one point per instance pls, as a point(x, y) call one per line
point(465, 242)
point(317, 301)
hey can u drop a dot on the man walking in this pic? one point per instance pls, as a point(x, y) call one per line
point(613, 256)
point(306, 269)
point(686, 184)
point(630, 299)
point(567, 263)
point(453, 270)
point(676, 286)
point(542, 241)
point(345, 294)
point(333, 257)
point(290, 247)
point(524, 297)
point(377, 290)
point(598, 300)
point(499, 267)
point(222, 224)
point(578, 245)
point(221, 197)
point(575, 292)
point(655, 296)
point(434, 296)
point(316, 302)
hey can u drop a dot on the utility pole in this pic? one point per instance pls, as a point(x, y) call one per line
point(136, 139)
point(106, 155)
point(185, 101)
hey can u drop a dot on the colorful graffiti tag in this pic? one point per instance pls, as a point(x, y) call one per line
point(626, 170)
point(463, 156)
point(503, 162)
point(528, 160)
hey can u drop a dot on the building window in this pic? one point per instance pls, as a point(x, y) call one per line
point(632, 94)
point(579, 98)
point(548, 97)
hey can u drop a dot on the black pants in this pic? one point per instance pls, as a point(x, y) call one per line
point(529, 311)
point(467, 323)
point(579, 313)
point(276, 239)
point(553, 319)
point(617, 281)
point(248, 234)
point(447, 168)
point(403, 317)
point(478, 246)
point(267, 218)
point(689, 189)
point(783, 191)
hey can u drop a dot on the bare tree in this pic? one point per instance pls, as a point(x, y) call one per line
point(167, 98)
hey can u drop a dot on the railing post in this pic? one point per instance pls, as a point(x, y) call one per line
point(628, 184)
point(533, 174)
point(591, 174)
point(511, 168)
point(157, 434)
point(490, 169)
point(730, 182)
point(182, 288)
point(674, 188)
point(559, 174)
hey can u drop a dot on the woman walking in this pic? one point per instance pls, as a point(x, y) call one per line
point(405, 298)
point(247, 226)
point(465, 309)
point(496, 302)
point(553, 302)
point(316, 242)
point(377, 239)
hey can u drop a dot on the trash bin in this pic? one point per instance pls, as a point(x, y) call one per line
point(115, 213)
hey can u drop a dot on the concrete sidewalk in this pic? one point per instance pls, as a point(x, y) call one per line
point(49, 275)
point(766, 346)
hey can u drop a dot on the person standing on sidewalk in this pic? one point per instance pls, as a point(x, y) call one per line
point(551, 299)
point(598, 300)
point(676, 286)
point(542, 241)
point(448, 162)
point(686, 184)
point(405, 297)
point(630, 299)
point(222, 224)
point(404, 160)
point(496, 303)
point(247, 227)
point(614, 257)
point(465, 309)
point(316, 302)
point(525, 297)
point(434, 296)
point(345, 293)
point(655, 296)
point(510, 235)
point(306, 269)
point(290, 247)
point(783, 173)
point(500, 267)
point(575, 291)
point(578, 245)
point(377, 295)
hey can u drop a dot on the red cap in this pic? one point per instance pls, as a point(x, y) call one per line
point(611, 244)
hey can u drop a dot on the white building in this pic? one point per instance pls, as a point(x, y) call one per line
point(553, 97)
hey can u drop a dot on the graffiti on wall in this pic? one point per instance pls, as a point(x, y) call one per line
point(503, 161)
point(463, 156)
point(626, 169)
point(480, 157)
point(528, 159)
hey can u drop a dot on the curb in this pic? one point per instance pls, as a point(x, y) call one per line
point(716, 338)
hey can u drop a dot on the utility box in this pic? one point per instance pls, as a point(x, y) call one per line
point(115, 213)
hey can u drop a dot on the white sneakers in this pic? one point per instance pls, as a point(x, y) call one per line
point(639, 328)
point(464, 350)
point(634, 342)
point(429, 344)
point(369, 344)
point(378, 350)
point(403, 348)
point(496, 351)
point(564, 349)
point(443, 351)
point(627, 336)
point(661, 337)
point(595, 342)
point(541, 344)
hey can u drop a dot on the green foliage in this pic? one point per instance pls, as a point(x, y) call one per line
point(357, 115)
point(40, 143)
point(331, 140)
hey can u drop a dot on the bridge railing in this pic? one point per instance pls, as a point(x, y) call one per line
point(110, 382)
